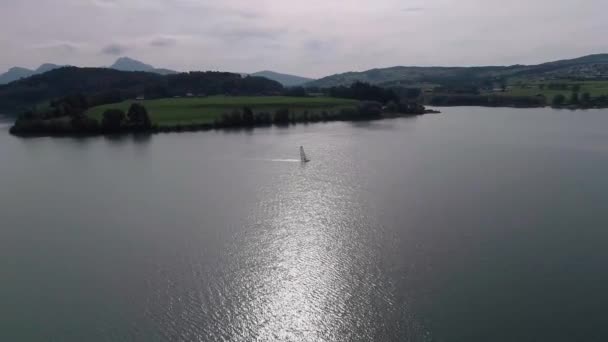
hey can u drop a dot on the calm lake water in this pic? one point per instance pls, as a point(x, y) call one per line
point(475, 225)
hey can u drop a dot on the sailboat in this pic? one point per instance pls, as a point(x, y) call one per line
point(303, 155)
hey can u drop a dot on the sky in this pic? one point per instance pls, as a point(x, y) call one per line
point(311, 38)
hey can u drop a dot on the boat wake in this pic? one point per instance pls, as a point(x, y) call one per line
point(285, 160)
point(303, 158)
point(277, 160)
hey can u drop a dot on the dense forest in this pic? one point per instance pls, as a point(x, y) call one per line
point(578, 100)
point(101, 86)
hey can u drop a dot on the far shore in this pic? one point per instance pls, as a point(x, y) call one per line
point(202, 127)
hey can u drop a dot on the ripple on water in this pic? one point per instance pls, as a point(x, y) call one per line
point(305, 267)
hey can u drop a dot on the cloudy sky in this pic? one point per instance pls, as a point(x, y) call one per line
point(310, 38)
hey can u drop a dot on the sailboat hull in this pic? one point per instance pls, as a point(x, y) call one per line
point(303, 157)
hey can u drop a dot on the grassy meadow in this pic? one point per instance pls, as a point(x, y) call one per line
point(173, 111)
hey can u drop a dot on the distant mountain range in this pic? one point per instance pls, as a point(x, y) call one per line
point(285, 79)
point(129, 64)
point(17, 73)
point(122, 64)
point(588, 67)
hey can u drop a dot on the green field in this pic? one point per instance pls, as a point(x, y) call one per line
point(204, 110)
point(594, 88)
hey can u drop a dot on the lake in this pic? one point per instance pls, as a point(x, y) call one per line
point(478, 224)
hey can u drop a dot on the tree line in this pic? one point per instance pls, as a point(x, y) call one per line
point(137, 119)
point(577, 100)
point(67, 116)
point(364, 92)
point(365, 110)
point(361, 91)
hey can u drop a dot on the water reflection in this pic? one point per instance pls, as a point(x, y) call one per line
point(299, 270)
point(120, 139)
point(308, 269)
point(386, 124)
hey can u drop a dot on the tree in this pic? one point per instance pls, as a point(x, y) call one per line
point(487, 84)
point(255, 85)
point(71, 105)
point(234, 118)
point(364, 92)
point(113, 120)
point(281, 116)
point(295, 92)
point(84, 124)
point(370, 109)
point(248, 117)
point(138, 117)
point(601, 100)
point(156, 91)
point(413, 93)
point(392, 107)
point(263, 118)
point(574, 100)
point(559, 100)
point(105, 97)
point(586, 98)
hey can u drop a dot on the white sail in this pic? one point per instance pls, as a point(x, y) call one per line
point(303, 155)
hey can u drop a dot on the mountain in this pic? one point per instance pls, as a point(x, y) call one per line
point(17, 73)
point(46, 67)
point(285, 79)
point(590, 59)
point(121, 64)
point(587, 67)
point(129, 64)
point(14, 74)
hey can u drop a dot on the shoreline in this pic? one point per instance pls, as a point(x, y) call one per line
point(523, 107)
point(201, 127)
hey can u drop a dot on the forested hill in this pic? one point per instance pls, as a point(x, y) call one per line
point(103, 85)
point(588, 67)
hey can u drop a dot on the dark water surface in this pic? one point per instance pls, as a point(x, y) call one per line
point(475, 225)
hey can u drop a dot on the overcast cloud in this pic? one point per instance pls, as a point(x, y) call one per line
point(310, 38)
